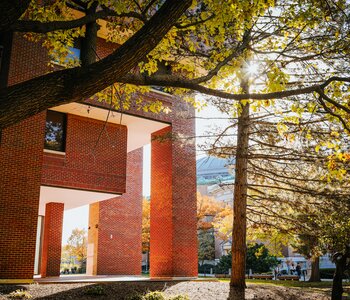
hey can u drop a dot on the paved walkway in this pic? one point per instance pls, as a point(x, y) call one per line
point(74, 278)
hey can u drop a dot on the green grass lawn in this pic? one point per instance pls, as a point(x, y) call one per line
point(323, 286)
point(291, 283)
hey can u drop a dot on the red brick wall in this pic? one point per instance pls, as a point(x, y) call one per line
point(161, 225)
point(173, 199)
point(20, 172)
point(185, 252)
point(85, 165)
point(51, 251)
point(122, 218)
point(105, 48)
point(28, 60)
point(119, 248)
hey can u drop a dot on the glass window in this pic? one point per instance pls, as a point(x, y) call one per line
point(55, 131)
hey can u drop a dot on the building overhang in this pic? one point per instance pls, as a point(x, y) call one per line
point(71, 198)
point(139, 128)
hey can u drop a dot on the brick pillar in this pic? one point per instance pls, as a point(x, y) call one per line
point(115, 227)
point(161, 222)
point(21, 151)
point(51, 251)
point(91, 262)
point(173, 203)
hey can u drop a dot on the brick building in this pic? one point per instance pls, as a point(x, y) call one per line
point(73, 155)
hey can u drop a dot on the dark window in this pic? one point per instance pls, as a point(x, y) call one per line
point(55, 131)
point(163, 69)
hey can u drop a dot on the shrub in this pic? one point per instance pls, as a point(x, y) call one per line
point(329, 273)
point(134, 296)
point(258, 259)
point(205, 268)
point(20, 294)
point(224, 264)
point(180, 297)
point(95, 290)
point(154, 296)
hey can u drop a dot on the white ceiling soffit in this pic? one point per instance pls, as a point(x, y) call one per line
point(139, 129)
point(70, 197)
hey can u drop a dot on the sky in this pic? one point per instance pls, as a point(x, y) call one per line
point(78, 217)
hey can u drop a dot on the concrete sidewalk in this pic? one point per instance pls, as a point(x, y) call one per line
point(75, 278)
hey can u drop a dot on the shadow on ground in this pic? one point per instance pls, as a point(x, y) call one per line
point(6, 289)
point(120, 290)
point(196, 290)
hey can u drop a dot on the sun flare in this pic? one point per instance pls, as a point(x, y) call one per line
point(252, 68)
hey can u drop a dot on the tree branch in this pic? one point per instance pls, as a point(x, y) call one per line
point(28, 98)
point(180, 82)
point(45, 27)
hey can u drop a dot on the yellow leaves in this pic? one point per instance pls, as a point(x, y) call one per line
point(211, 213)
point(346, 157)
point(298, 109)
point(257, 104)
point(311, 107)
point(146, 209)
point(122, 95)
point(266, 103)
point(57, 42)
point(194, 5)
point(317, 148)
point(197, 103)
point(292, 119)
point(327, 145)
point(282, 128)
point(276, 79)
point(338, 174)
point(154, 107)
point(150, 67)
point(255, 107)
point(308, 135)
point(291, 137)
point(224, 227)
point(335, 134)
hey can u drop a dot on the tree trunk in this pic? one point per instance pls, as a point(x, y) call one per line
point(341, 265)
point(315, 269)
point(89, 41)
point(239, 249)
point(337, 287)
point(6, 49)
point(11, 10)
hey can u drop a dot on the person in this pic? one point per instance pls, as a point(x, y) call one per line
point(292, 270)
point(298, 269)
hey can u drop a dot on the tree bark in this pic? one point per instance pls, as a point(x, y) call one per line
point(239, 249)
point(89, 41)
point(10, 11)
point(28, 98)
point(6, 44)
point(342, 263)
point(315, 269)
point(337, 287)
